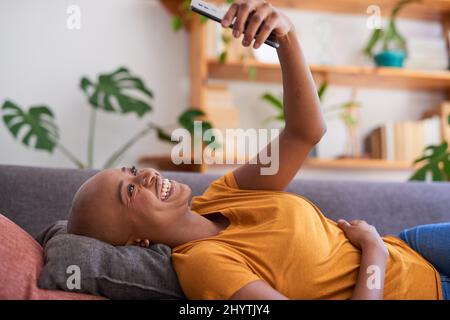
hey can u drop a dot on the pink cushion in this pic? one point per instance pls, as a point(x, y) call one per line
point(21, 261)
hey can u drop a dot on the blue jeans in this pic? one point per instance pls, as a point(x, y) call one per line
point(433, 243)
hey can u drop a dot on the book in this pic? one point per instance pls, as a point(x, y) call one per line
point(402, 141)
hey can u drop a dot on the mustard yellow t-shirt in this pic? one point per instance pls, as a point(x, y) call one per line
point(284, 240)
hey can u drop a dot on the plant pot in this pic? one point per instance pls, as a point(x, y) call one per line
point(390, 58)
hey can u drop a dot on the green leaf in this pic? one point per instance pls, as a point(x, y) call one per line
point(38, 123)
point(422, 159)
point(279, 117)
point(223, 57)
point(400, 5)
point(164, 136)
point(226, 38)
point(177, 23)
point(273, 101)
point(446, 165)
point(420, 174)
point(118, 92)
point(377, 34)
point(322, 89)
point(252, 73)
point(434, 156)
point(187, 119)
point(436, 172)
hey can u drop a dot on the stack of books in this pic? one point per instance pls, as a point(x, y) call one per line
point(404, 141)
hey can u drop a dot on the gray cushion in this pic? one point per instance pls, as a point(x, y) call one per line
point(127, 272)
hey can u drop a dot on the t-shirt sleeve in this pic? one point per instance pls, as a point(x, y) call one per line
point(212, 273)
point(215, 196)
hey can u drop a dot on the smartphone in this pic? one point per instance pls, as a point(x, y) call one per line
point(212, 12)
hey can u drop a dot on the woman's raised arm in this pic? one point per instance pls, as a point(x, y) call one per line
point(305, 125)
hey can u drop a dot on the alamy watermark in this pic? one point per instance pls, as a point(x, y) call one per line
point(374, 280)
point(374, 20)
point(73, 281)
point(73, 21)
point(235, 146)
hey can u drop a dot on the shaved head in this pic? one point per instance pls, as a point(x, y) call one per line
point(97, 211)
point(126, 206)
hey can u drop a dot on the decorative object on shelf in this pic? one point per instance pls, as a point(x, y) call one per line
point(349, 112)
point(114, 93)
point(393, 51)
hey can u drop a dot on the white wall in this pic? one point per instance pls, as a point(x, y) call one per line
point(41, 61)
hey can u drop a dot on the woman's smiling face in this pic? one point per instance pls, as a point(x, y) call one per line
point(120, 206)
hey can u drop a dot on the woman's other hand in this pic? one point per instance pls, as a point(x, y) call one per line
point(256, 18)
point(361, 234)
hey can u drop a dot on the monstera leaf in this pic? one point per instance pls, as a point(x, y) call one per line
point(118, 92)
point(186, 120)
point(38, 124)
point(435, 161)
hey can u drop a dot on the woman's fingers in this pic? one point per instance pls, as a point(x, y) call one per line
point(229, 16)
point(243, 13)
point(264, 32)
point(343, 224)
point(255, 21)
point(357, 222)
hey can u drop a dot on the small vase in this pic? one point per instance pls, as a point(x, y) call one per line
point(390, 58)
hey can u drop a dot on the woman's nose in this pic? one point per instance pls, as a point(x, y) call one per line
point(146, 178)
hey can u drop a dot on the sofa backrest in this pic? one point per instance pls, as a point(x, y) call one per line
point(35, 197)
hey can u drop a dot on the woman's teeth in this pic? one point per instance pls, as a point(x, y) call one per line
point(165, 189)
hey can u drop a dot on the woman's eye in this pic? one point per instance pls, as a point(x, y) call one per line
point(130, 190)
point(133, 170)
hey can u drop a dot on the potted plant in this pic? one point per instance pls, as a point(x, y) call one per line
point(393, 45)
point(119, 92)
point(349, 113)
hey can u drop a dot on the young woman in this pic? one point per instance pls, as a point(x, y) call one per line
point(245, 238)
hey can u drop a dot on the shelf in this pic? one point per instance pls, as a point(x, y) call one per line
point(427, 10)
point(357, 164)
point(434, 10)
point(337, 75)
point(344, 164)
point(164, 163)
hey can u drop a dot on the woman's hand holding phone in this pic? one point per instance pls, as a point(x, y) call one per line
point(256, 19)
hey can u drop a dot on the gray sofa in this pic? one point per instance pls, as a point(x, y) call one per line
point(35, 197)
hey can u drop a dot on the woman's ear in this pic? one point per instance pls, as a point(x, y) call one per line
point(145, 243)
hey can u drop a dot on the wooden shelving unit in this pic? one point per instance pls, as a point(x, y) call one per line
point(337, 75)
point(163, 163)
point(427, 10)
point(434, 10)
point(202, 70)
point(357, 164)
